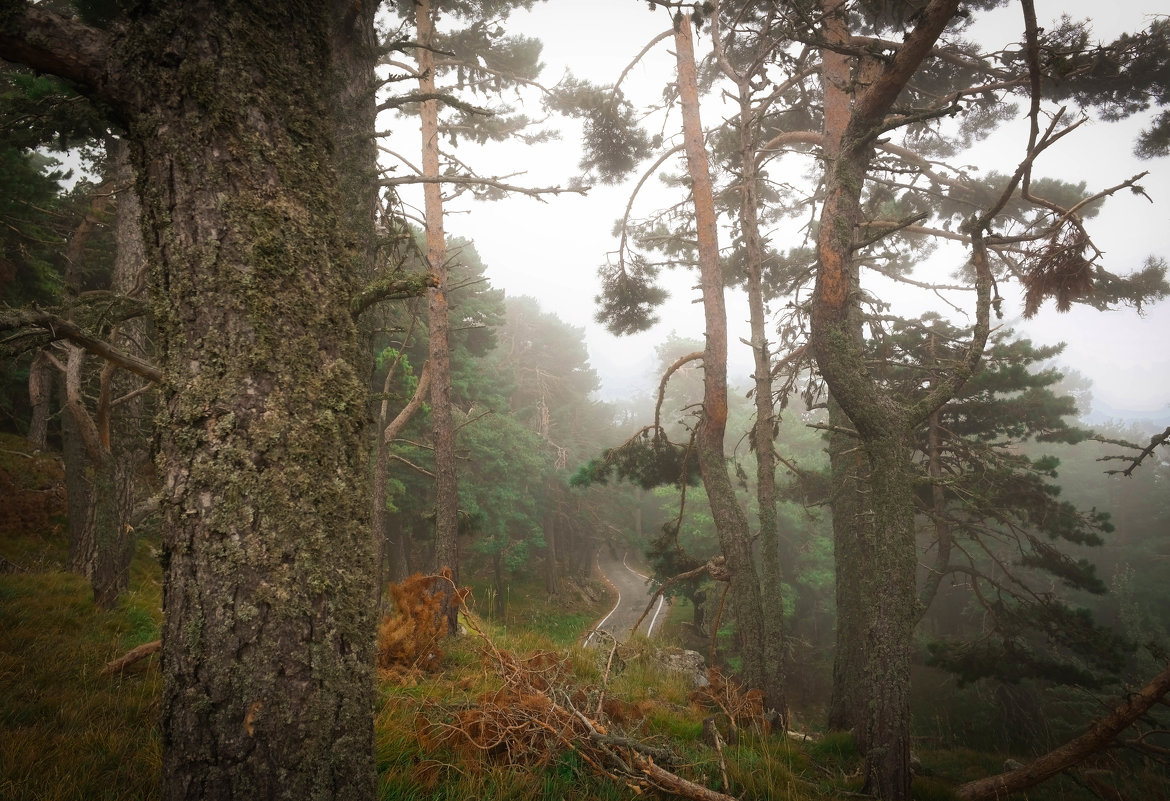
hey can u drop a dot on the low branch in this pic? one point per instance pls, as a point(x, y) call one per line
point(1099, 735)
point(412, 286)
point(62, 46)
point(443, 97)
point(403, 417)
point(714, 568)
point(491, 183)
point(60, 328)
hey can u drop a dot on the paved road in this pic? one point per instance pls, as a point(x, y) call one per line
point(634, 592)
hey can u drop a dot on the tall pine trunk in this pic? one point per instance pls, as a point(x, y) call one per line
point(439, 353)
point(730, 519)
point(253, 153)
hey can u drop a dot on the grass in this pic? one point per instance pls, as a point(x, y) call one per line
point(67, 732)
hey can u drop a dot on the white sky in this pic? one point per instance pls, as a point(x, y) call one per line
point(552, 250)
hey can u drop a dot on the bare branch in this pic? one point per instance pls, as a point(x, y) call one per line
point(467, 180)
point(1099, 734)
point(60, 328)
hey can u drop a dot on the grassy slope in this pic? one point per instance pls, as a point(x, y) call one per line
point(67, 732)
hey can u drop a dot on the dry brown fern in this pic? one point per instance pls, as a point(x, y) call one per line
point(410, 638)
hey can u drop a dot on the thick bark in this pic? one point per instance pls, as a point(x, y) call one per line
point(886, 554)
point(258, 239)
point(849, 471)
point(730, 519)
point(442, 425)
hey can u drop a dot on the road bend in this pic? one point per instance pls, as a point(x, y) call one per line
point(634, 591)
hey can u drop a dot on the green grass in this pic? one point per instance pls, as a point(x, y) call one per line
point(67, 732)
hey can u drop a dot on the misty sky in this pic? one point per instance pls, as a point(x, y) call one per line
point(552, 250)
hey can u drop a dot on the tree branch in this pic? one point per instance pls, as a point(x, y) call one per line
point(412, 286)
point(467, 180)
point(62, 46)
point(1099, 734)
point(60, 328)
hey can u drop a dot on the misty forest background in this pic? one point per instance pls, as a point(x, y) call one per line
point(1036, 557)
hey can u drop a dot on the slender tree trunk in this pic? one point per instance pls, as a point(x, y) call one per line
point(40, 397)
point(730, 519)
point(552, 514)
point(121, 413)
point(763, 432)
point(77, 492)
point(442, 426)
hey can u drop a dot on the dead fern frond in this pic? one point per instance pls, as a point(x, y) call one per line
point(409, 640)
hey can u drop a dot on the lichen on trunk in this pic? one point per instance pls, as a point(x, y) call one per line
point(258, 241)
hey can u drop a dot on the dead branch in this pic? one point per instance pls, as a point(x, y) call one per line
point(400, 420)
point(130, 657)
point(528, 719)
point(1099, 735)
point(1135, 461)
point(60, 328)
point(714, 567)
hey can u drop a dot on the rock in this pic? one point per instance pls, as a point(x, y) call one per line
point(679, 660)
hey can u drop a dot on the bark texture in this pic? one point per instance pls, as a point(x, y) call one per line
point(250, 126)
point(884, 555)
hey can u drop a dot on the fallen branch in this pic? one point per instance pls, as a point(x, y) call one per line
point(130, 657)
point(529, 717)
point(1101, 733)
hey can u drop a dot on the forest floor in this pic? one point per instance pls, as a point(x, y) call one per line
point(68, 731)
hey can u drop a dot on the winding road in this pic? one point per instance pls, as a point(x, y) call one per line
point(634, 592)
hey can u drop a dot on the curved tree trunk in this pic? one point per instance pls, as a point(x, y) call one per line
point(1097, 737)
point(730, 519)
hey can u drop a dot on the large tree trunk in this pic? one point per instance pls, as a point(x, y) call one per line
point(730, 519)
point(250, 147)
point(251, 131)
point(886, 555)
point(849, 471)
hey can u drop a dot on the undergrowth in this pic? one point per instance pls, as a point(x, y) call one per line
point(508, 711)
